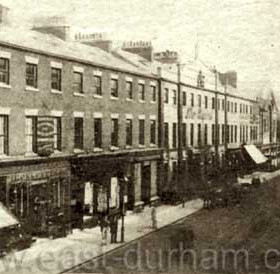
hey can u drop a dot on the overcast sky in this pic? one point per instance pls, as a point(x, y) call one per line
point(243, 35)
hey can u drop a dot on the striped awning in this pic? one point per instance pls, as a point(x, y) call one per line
point(255, 154)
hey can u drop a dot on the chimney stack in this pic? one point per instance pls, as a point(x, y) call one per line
point(95, 39)
point(142, 48)
point(55, 25)
point(3, 14)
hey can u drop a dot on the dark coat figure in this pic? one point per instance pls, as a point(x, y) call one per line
point(104, 227)
point(114, 228)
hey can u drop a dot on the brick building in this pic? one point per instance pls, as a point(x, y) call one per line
point(95, 114)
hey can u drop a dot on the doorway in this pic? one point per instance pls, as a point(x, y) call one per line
point(146, 183)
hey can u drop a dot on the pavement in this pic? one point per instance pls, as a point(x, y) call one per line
point(58, 255)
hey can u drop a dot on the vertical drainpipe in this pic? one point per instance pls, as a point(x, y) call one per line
point(216, 121)
point(180, 149)
point(160, 132)
point(226, 121)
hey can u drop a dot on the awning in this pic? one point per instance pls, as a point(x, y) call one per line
point(6, 217)
point(255, 154)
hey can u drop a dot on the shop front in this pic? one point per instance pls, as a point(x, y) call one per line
point(38, 194)
point(107, 185)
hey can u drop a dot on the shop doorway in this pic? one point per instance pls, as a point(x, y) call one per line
point(146, 183)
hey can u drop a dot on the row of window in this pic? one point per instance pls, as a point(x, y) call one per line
point(231, 106)
point(31, 133)
point(78, 85)
point(231, 134)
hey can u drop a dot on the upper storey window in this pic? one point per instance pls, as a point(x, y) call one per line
point(5, 70)
point(31, 75)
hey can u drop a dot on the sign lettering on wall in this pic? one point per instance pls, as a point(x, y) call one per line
point(45, 135)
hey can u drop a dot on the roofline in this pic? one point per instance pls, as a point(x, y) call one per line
point(150, 76)
point(82, 61)
point(209, 90)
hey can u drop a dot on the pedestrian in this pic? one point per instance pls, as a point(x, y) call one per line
point(116, 224)
point(114, 228)
point(104, 227)
point(154, 217)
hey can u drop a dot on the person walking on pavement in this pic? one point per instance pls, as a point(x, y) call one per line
point(104, 227)
point(114, 228)
point(154, 217)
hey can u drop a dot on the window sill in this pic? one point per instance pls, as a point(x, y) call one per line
point(57, 151)
point(142, 146)
point(31, 89)
point(97, 149)
point(128, 99)
point(78, 151)
point(114, 148)
point(153, 102)
point(3, 85)
point(79, 94)
point(4, 156)
point(153, 145)
point(56, 91)
point(114, 98)
point(128, 147)
point(97, 96)
point(30, 154)
point(141, 101)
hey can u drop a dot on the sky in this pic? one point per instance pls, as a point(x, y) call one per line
point(241, 35)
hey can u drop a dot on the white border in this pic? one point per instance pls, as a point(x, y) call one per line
point(5, 54)
point(56, 113)
point(97, 115)
point(31, 112)
point(97, 73)
point(141, 117)
point(78, 114)
point(5, 111)
point(114, 115)
point(56, 65)
point(128, 116)
point(31, 60)
point(78, 69)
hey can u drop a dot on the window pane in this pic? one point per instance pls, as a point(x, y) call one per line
point(97, 132)
point(79, 136)
point(31, 75)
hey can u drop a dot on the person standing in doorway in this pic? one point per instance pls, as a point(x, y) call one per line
point(154, 217)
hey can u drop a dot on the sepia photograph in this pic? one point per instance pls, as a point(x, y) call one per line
point(139, 136)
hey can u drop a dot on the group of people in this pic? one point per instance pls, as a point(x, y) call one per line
point(107, 224)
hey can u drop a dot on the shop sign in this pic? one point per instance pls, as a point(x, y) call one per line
point(45, 135)
point(36, 175)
